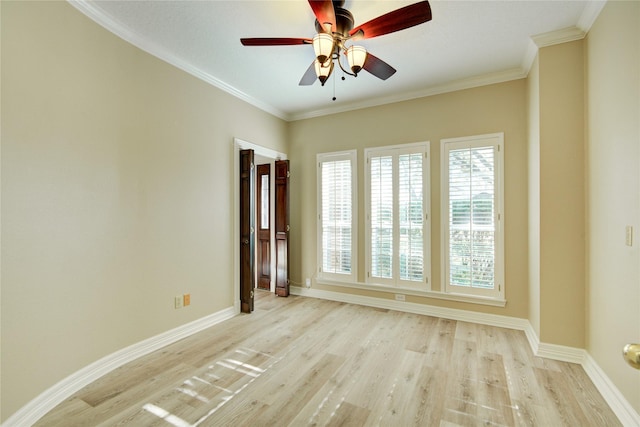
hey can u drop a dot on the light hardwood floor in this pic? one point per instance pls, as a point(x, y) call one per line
point(301, 361)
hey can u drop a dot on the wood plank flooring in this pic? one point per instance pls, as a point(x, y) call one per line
point(301, 361)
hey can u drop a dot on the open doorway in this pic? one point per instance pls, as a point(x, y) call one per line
point(261, 223)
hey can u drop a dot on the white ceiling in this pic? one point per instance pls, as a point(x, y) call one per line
point(466, 44)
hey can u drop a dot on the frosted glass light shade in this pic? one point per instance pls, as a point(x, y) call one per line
point(323, 46)
point(323, 71)
point(356, 55)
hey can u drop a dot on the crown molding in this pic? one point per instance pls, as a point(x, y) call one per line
point(469, 83)
point(560, 36)
point(557, 37)
point(98, 16)
point(578, 32)
point(590, 14)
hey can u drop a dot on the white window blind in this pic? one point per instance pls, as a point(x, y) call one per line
point(396, 189)
point(411, 215)
point(381, 216)
point(336, 178)
point(472, 203)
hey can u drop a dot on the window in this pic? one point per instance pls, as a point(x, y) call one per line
point(397, 201)
point(472, 193)
point(337, 215)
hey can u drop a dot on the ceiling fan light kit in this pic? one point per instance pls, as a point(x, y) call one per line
point(323, 46)
point(334, 26)
point(356, 55)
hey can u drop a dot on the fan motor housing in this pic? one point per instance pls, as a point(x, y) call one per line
point(344, 21)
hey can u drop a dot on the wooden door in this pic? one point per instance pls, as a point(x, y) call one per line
point(282, 227)
point(247, 227)
point(263, 215)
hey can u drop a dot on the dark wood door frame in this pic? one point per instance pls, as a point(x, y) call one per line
point(247, 228)
point(282, 227)
point(263, 226)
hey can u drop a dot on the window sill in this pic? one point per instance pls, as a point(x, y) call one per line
point(472, 299)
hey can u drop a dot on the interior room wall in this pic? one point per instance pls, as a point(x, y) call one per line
point(494, 108)
point(613, 191)
point(116, 194)
point(533, 169)
point(561, 208)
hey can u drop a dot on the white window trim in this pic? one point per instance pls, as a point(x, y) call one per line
point(398, 284)
point(495, 139)
point(351, 155)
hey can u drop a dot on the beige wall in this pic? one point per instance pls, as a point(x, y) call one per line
point(561, 209)
point(533, 159)
point(555, 100)
point(117, 186)
point(494, 108)
point(116, 193)
point(613, 191)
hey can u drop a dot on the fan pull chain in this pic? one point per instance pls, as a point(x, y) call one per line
point(334, 88)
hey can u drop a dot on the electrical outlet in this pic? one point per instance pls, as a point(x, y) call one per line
point(186, 299)
point(308, 282)
point(399, 297)
point(178, 301)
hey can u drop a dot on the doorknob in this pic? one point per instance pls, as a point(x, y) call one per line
point(631, 353)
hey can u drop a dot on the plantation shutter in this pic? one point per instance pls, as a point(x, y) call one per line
point(381, 180)
point(336, 216)
point(396, 206)
point(411, 216)
point(472, 217)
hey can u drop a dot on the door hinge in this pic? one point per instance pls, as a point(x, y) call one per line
point(288, 174)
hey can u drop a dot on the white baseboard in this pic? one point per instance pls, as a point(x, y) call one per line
point(618, 403)
point(561, 353)
point(621, 406)
point(50, 398)
point(409, 307)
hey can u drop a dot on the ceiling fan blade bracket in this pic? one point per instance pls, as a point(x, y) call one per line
point(325, 14)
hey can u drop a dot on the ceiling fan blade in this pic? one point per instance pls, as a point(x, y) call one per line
point(397, 20)
point(378, 67)
point(325, 14)
point(309, 76)
point(274, 41)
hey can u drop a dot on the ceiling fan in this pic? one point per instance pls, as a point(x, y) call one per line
point(335, 29)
